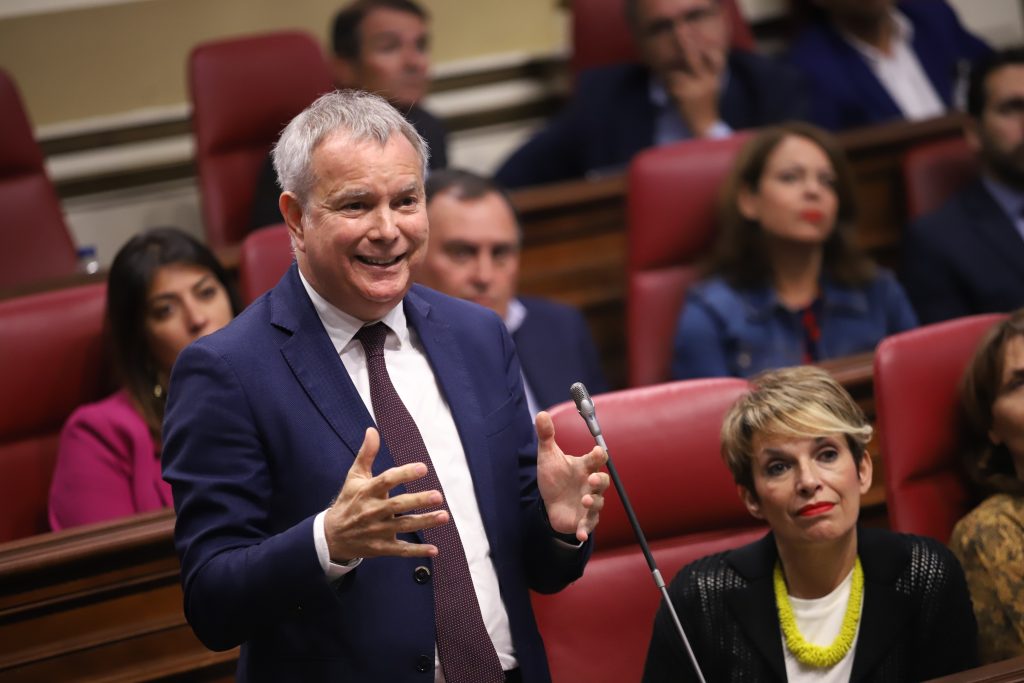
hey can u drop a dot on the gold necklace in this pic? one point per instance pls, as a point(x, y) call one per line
point(809, 654)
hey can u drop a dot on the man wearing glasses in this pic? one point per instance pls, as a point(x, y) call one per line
point(690, 84)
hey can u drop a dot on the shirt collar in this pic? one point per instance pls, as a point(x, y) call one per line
point(342, 327)
point(762, 302)
point(515, 316)
point(904, 33)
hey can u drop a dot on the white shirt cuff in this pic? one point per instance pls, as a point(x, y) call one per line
point(332, 570)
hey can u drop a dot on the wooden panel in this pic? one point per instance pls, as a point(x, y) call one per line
point(100, 603)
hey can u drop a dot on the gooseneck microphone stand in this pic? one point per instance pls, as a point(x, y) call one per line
point(585, 406)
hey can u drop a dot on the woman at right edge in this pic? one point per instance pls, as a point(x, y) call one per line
point(818, 598)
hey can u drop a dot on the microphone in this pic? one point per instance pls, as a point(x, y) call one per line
point(586, 409)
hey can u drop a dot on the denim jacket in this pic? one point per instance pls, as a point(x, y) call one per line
point(724, 331)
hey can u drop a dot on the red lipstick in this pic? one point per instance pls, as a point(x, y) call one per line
point(812, 215)
point(815, 509)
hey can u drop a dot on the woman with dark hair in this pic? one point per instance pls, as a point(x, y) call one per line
point(819, 598)
point(785, 284)
point(989, 541)
point(164, 290)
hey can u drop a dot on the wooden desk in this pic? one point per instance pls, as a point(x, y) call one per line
point(100, 603)
point(1000, 672)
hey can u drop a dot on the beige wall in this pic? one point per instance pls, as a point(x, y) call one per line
point(107, 60)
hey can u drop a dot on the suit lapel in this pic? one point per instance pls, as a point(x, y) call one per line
point(316, 366)
point(867, 86)
point(450, 368)
point(754, 605)
point(886, 611)
point(992, 226)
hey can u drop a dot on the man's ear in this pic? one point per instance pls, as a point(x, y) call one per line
point(972, 134)
point(750, 500)
point(291, 209)
point(345, 71)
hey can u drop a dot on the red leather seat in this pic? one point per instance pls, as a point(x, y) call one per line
point(266, 255)
point(244, 91)
point(37, 244)
point(917, 375)
point(601, 35)
point(671, 213)
point(51, 361)
point(935, 171)
point(664, 442)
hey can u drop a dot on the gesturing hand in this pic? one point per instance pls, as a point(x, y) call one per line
point(364, 522)
point(572, 487)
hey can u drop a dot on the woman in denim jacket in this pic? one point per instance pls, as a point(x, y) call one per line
point(785, 284)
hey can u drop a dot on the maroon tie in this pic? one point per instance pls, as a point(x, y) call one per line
point(466, 651)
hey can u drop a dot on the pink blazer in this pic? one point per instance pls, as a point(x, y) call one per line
point(107, 466)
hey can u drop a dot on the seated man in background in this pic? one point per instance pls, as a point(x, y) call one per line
point(690, 85)
point(473, 254)
point(968, 256)
point(381, 46)
point(869, 61)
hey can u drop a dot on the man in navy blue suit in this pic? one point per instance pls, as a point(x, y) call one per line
point(870, 61)
point(968, 256)
point(300, 529)
point(473, 254)
point(690, 85)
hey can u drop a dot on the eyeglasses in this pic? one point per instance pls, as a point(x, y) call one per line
point(696, 18)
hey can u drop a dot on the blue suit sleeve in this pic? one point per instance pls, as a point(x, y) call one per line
point(900, 315)
point(929, 282)
point(549, 565)
point(550, 155)
point(240, 572)
point(699, 346)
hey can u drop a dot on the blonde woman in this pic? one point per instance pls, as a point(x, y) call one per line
point(818, 598)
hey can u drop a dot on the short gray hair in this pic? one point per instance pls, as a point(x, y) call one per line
point(361, 116)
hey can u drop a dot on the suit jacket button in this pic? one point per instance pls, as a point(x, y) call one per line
point(421, 574)
point(424, 664)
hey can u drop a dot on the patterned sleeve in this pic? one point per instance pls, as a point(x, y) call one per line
point(990, 545)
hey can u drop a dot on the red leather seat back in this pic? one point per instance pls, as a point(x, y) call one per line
point(244, 91)
point(917, 375)
point(37, 244)
point(665, 444)
point(934, 172)
point(601, 35)
point(672, 204)
point(598, 629)
point(266, 255)
point(51, 361)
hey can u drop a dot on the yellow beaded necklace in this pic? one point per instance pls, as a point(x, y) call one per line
point(818, 655)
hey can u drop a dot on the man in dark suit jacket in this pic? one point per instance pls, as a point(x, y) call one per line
point(383, 47)
point(869, 61)
point(267, 421)
point(473, 254)
point(690, 85)
point(968, 256)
